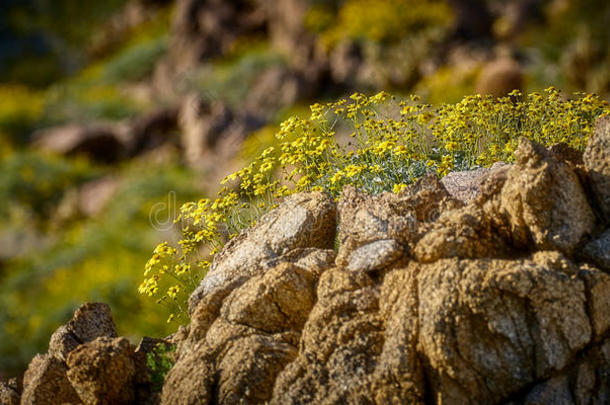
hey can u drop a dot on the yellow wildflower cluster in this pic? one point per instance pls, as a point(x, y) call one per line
point(374, 143)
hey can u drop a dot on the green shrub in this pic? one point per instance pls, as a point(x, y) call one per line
point(159, 361)
point(392, 144)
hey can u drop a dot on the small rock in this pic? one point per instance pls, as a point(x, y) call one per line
point(90, 321)
point(10, 392)
point(464, 233)
point(276, 301)
point(403, 217)
point(103, 371)
point(465, 185)
point(375, 256)
point(45, 382)
point(500, 77)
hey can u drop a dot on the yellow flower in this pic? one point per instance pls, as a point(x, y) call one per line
point(398, 188)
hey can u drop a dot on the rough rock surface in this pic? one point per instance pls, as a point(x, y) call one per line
point(402, 217)
point(597, 162)
point(254, 336)
point(466, 185)
point(10, 392)
point(598, 251)
point(45, 382)
point(543, 201)
point(103, 371)
point(90, 321)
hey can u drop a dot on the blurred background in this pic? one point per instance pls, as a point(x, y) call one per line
point(113, 110)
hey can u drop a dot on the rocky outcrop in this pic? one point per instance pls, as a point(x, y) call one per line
point(428, 300)
point(86, 363)
point(499, 298)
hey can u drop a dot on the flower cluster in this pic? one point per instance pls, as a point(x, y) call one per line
point(375, 144)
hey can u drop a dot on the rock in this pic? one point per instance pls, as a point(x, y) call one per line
point(303, 220)
point(191, 379)
point(90, 321)
point(598, 292)
point(402, 217)
point(597, 163)
point(465, 185)
point(375, 256)
point(339, 345)
point(499, 77)
point(276, 88)
point(10, 392)
point(315, 261)
point(346, 62)
point(465, 233)
point(276, 301)
point(204, 29)
point(152, 130)
point(588, 381)
point(249, 368)
point(45, 382)
point(103, 371)
point(542, 203)
point(100, 142)
point(597, 251)
point(489, 328)
point(250, 342)
point(148, 344)
point(201, 123)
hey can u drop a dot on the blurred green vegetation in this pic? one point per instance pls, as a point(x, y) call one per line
point(231, 78)
point(97, 259)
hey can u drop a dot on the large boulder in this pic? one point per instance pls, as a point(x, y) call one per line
point(489, 328)
point(597, 163)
